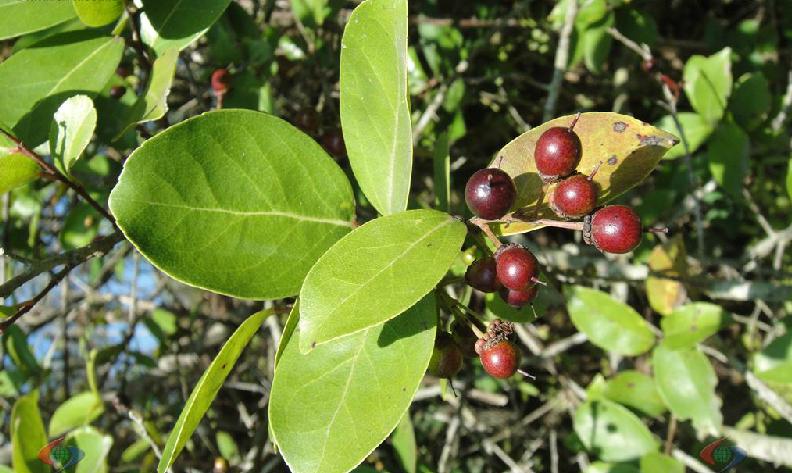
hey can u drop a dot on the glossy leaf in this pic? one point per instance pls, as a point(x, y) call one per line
point(78, 410)
point(356, 387)
point(98, 13)
point(695, 129)
point(728, 154)
point(233, 201)
point(636, 390)
point(608, 323)
point(612, 432)
point(708, 84)
point(27, 435)
point(627, 148)
point(667, 259)
point(376, 272)
point(18, 17)
point(691, 324)
point(686, 381)
point(36, 80)
point(72, 128)
point(656, 462)
point(375, 108)
point(205, 391)
point(175, 23)
point(16, 170)
point(403, 440)
point(153, 104)
point(94, 446)
point(774, 362)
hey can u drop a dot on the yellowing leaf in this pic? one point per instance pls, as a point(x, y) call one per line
point(667, 259)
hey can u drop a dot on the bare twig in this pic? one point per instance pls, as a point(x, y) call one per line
point(561, 60)
point(429, 114)
point(25, 307)
point(786, 105)
point(690, 462)
point(672, 426)
point(769, 396)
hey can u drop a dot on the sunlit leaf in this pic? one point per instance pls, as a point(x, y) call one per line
point(708, 84)
point(78, 410)
point(72, 128)
point(18, 17)
point(98, 13)
point(175, 23)
point(612, 432)
point(692, 323)
point(27, 435)
point(667, 259)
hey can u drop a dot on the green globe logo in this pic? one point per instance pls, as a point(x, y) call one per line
point(60, 456)
point(722, 454)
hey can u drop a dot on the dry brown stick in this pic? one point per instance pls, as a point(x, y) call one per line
point(25, 307)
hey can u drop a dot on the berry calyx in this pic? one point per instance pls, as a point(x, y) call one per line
point(490, 193)
point(483, 275)
point(220, 80)
point(518, 299)
point(574, 197)
point(557, 152)
point(516, 267)
point(500, 360)
point(446, 360)
point(464, 338)
point(613, 229)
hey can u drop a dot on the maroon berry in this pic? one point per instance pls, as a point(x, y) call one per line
point(501, 360)
point(446, 358)
point(574, 197)
point(123, 71)
point(117, 91)
point(333, 143)
point(490, 193)
point(614, 229)
point(557, 152)
point(516, 268)
point(464, 338)
point(483, 275)
point(220, 81)
point(518, 299)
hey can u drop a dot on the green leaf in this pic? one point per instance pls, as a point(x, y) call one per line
point(17, 347)
point(233, 201)
point(708, 84)
point(27, 435)
point(636, 390)
point(36, 80)
point(656, 462)
point(728, 157)
point(608, 323)
point(602, 467)
point(175, 23)
point(205, 391)
point(612, 432)
point(774, 362)
point(403, 439)
point(686, 382)
point(597, 43)
point(98, 13)
point(691, 324)
point(288, 330)
point(153, 105)
point(18, 17)
point(695, 129)
point(628, 150)
point(312, 13)
point(78, 410)
point(16, 170)
point(376, 272)
point(751, 100)
point(94, 446)
point(71, 130)
point(227, 446)
point(5, 469)
point(331, 407)
point(375, 107)
point(80, 226)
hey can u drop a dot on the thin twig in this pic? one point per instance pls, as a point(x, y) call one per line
point(786, 105)
point(672, 426)
point(561, 60)
point(25, 307)
point(429, 113)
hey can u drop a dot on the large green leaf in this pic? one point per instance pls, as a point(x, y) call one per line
point(98, 13)
point(205, 391)
point(78, 410)
point(18, 17)
point(695, 129)
point(376, 272)
point(774, 362)
point(94, 446)
point(691, 324)
point(16, 170)
point(36, 80)
point(375, 108)
point(612, 432)
point(234, 201)
point(608, 323)
point(403, 440)
point(176, 23)
point(686, 382)
point(27, 435)
point(71, 131)
point(708, 84)
point(331, 407)
point(636, 390)
point(628, 150)
point(656, 462)
point(728, 154)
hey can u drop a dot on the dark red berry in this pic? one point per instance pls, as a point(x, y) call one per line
point(557, 152)
point(483, 275)
point(446, 358)
point(615, 229)
point(123, 71)
point(220, 81)
point(574, 197)
point(518, 299)
point(516, 268)
point(333, 143)
point(117, 91)
point(464, 338)
point(490, 193)
point(501, 360)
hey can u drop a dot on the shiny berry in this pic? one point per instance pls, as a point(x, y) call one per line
point(464, 338)
point(446, 358)
point(518, 299)
point(482, 275)
point(516, 268)
point(615, 229)
point(557, 152)
point(220, 81)
point(490, 193)
point(574, 197)
point(501, 360)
